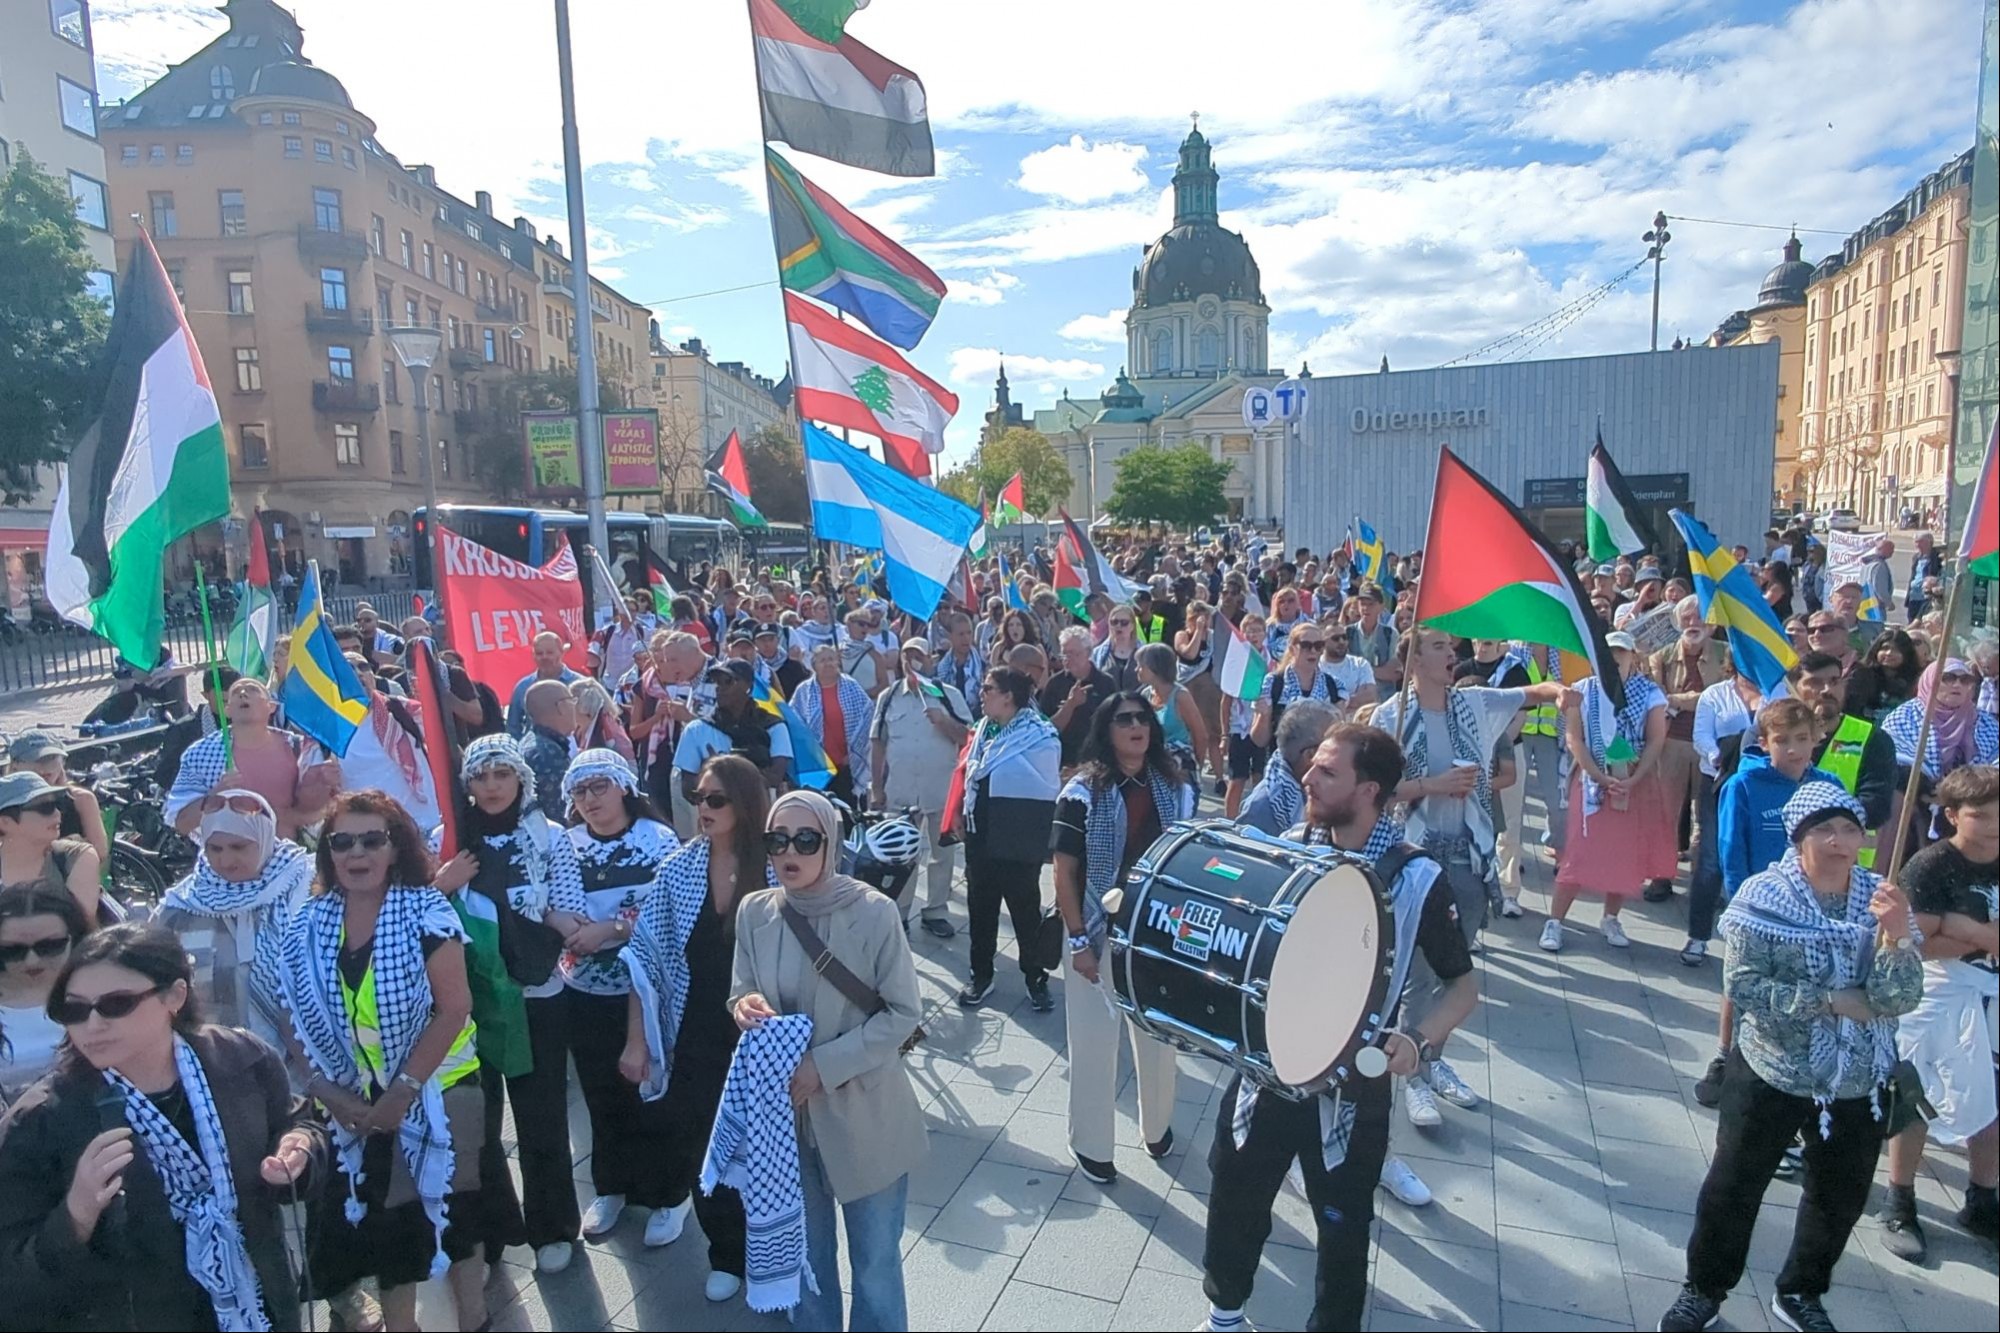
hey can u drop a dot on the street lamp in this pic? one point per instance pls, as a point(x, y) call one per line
point(417, 346)
point(1656, 250)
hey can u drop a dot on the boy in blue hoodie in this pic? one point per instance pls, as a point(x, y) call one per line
point(1751, 806)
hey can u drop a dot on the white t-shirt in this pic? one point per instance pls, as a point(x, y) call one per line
point(702, 738)
point(32, 1039)
point(1351, 673)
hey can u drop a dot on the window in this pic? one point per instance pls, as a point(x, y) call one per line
point(340, 127)
point(89, 196)
point(396, 452)
point(249, 375)
point(1937, 285)
point(160, 206)
point(294, 146)
point(221, 84)
point(291, 118)
point(79, 107)
point(459, 283)
point(347, 444)
point(323, 150)
point(229, 203)
point(264, 118)
point(430, 262)
point(174, 277)
point(326, 210)
point(410, 309)
point(451, 331)
point(71, 21)
point(437, 391)
point(389, 382)
point(184, 154)
point(129, 155)
point(385, 305)
point(404, 250)
point(444, 458)
point(102, 285)
point(340, 364)
point(1930, 399)
point(254, 448)
point(347, 157)
point(333, 288)
point(490, 348)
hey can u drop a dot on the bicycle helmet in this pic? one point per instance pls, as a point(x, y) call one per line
point(894, 842)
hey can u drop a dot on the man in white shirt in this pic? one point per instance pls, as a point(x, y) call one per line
point(735, 725)
point(913, 743)
point(1350, 671)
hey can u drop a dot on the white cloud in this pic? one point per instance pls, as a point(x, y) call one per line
point(989, 290)
point(978, 365)
point(1105, 330)
point(1079, 171)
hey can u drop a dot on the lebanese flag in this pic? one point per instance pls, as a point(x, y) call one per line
point(1010, 507)
point(1488, 574)
point(1240, 666)
point(846, 377)
point(826, 94)
point(437, 731)
point(1978, 552)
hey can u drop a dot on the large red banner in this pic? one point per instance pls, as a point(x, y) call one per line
point(495, 606)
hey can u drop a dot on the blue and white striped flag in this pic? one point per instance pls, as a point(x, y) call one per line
point(920, 531)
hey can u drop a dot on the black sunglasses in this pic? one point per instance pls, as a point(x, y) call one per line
point(72, 1013)
point(1130, 719)
point(714, 800)
point(374, 840)
point(55, 946)
point(805, 841)
point(48, 805)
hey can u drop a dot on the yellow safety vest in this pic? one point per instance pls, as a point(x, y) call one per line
point(460, 1062)
point(1843, 760)
point(1542, 719)
point(1151, 628)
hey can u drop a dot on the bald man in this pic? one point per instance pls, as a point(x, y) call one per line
point(549, 649)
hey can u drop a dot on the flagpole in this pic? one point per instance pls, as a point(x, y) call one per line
point(1915, 784)
point(214, 664)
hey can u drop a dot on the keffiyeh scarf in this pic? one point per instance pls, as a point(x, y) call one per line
point(1282, 790)
point(1104, 825)
point(261, 904)
point(1462, 724)
point(754, 1150)
point(200, 1190)
point(997, 745)
point(656, 957)
point(1779, 905)
point(1905, 722)
point(403, 1004)
point(1602, 723)
point(1323, 688)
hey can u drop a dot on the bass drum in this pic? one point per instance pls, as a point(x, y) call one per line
point(1270, 956)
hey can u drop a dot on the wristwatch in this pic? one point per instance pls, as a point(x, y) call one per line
point(1079, 943)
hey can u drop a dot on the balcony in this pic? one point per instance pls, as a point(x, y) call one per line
point(346, 396)
point(346, 323)
point(464, 358)
point(493, 314)
point(317, 244)
point(555, 288)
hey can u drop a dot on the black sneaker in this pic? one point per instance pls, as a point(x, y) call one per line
point(1102, 1172)
point(1658, 891)
point(1160, 1149)
point(1902, 1234)
point(1803, 1313)
point(1691, 1312)
point(1793, 1162)
point(938, 926)
point(1039, 998)
point(975, 993)
point(1708, 1091)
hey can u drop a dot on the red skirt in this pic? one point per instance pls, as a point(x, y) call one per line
point(1614, 852)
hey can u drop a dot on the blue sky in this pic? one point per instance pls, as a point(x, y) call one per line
point(1415, 177)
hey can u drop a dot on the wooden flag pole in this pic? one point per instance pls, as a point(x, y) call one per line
point(1912, 788)
point(214, 664)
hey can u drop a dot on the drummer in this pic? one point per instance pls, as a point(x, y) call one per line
point(1341, 1138)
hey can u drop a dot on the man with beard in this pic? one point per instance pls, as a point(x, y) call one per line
point(1341, 1142)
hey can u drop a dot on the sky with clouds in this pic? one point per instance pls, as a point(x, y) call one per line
point(1415, 177)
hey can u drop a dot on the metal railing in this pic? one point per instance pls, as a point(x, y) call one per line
point(346, 396)
point(344, 320)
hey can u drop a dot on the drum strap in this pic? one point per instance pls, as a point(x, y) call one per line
point(858, 992)
point(1395, 861)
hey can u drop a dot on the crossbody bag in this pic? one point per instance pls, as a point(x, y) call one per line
point(836, 973)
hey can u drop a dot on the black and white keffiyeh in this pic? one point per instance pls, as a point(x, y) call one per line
point(1462, 725)
point(262, 903)
point(1324, 688)
point(200, 1190)
point(1285, 798)
point(403, 1003)
point(754, 1150)
point(1603, 723)
point(1104, 835)
point(1011, 754)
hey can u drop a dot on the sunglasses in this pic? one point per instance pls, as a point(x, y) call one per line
point(1130, 719)
point(1121, 624)
point(55, 946)
point(714, 800)
point(805, 841)
point(48, 805)
point(1824, 629)
point(72, 1013)
point(1958, 678)
point(374, 840)
point(242, 805)
point(1310, 645)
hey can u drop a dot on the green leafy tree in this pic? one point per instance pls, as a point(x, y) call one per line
point(51, 327)
point(1181, 486)
point(776, 464)
point(1045, 477)
point(499, 455)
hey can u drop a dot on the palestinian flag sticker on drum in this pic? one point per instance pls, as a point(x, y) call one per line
point(1217, 866)
point(1193, 926)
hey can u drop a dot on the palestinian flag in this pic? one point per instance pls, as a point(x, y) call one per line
point(1010, 507)
point(1240, 667)
point(1095, 571)
point(430, 692)
point(148, 472)
point(1488, 574)
point(844, 377)
point(1615, 523)
point(660, 585)
point(730, 479)
point(829, 253)
point(1979, 548)
point(982, 537)
point(1070, 590)
point(248, 645)
point(826, 94)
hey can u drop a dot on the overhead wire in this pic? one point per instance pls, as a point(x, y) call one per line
point(1559, 318)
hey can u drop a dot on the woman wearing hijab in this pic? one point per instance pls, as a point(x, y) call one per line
point(1961, 732)
point(374, 972)
point(860, 1130)
point(503, 885)
point(232, 910)
point(208, 1144)
point(619, 843)
point(1820, 958)
point(679, 1038)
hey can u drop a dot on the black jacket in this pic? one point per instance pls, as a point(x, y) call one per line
point(135, 1275)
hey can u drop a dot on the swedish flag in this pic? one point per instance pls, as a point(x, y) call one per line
point(811, 765)
point(1010, 589)
point(1871, 609)
point(1730, 597)
point(1368, 553)
point(322, 696)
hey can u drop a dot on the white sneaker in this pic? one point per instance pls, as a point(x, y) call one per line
point(1446, 1083)
point(664, 1226)
point(1552, 935)
point(1405, 1184)
point(1510, 908)
point(721, 1286)
point(1420, 1105)
point(554, 1257)
point(602, 1215)
point(1614, 933)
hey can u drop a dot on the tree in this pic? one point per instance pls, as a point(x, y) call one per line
point(499, 454)
point(776, 463)
point(1181, 486)
point(52, 327)
point(1045, 477)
